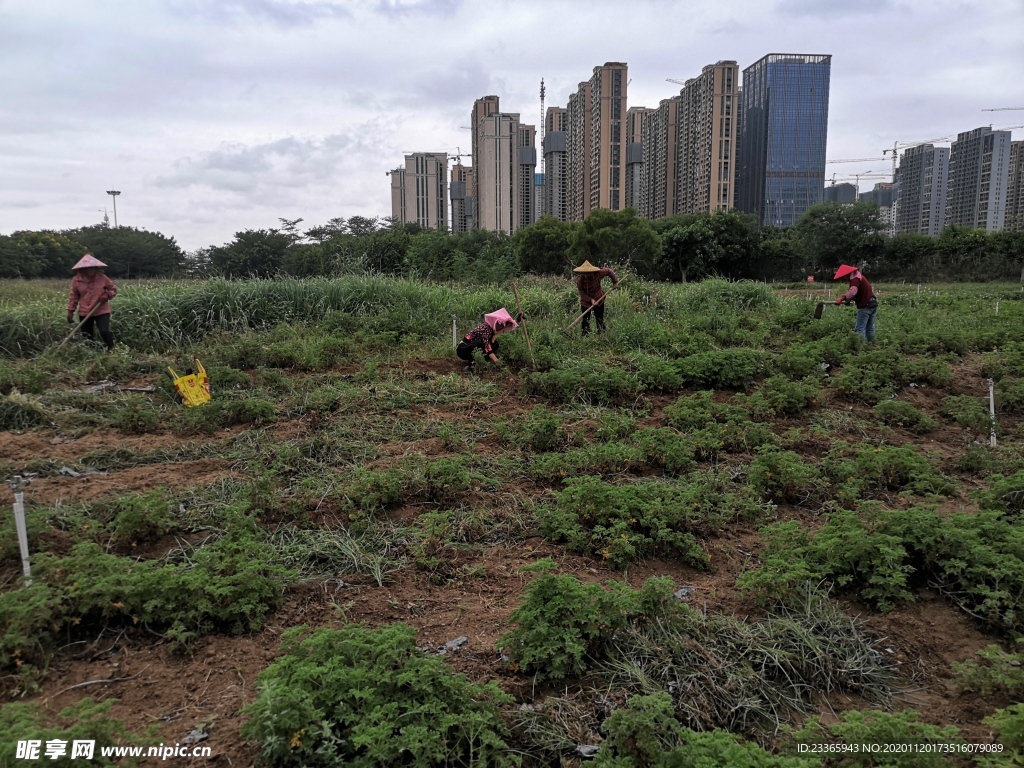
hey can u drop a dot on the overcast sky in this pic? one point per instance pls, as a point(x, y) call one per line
point(212, 116)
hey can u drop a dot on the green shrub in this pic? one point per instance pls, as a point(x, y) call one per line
point(725, 369)
point(1009, 725)
point(586, 382)
point(447, 479)
point(85, 721)
point(646, 734)
point(615, 426)
point(1010, 396)
point(996, 672)
point(933, 371)
point(225, 377)
point(872, 376)
point(656, 373)
point(374, 489)
point(22, 377)
point(976, 558)
point(666, 448)
point(563, 624)
point(897, 413)
point(252, 410)
point(621, 524)
point(867, 470)
point(967, 411)
point(594, 458)
point(789, 397)
point(1005, 494)
point(139, 518)
point(137, 416)
point(542, 430)
point(881, 728)
point(357, 696)
point(1008, 361)
point(785, 476)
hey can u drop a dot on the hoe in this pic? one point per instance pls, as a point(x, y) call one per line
point(819, 308)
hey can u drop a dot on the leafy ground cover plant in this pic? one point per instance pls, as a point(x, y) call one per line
point(623, 523)
point(542, 430)
point(967, 411)
point(585, 381)
point(601, 458)
point(974, 558)
point(724, 369)
point(877, 727)
point(646, 734)
point(995, 671)
point(368, 697)
point(563, 624)
point(897, 413)
point(786, 476)
point(864, 471)
point(85, 721)
point(668, 449)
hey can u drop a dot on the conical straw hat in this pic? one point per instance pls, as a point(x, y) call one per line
point(843, 271)
point(88, 261)
point(586, 266)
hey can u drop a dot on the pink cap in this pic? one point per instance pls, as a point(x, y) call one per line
point(88, 261)
point(500, 316)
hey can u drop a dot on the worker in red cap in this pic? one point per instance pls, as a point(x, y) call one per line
point(863, 296)
point(91, 292)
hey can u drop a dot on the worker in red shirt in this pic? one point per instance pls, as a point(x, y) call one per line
point(863, 296)
point(591, 294)
point(91, 292)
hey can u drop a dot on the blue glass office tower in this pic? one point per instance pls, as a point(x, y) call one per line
point(783, 128)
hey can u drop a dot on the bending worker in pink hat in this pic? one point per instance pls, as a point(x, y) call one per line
point(862, 294)
point(485, 337)
point(91, 291)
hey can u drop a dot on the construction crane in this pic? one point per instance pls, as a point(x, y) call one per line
point(1005, 109)
point(855, 160)
point(673, 80)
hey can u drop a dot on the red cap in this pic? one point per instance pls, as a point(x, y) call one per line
point(843, 271)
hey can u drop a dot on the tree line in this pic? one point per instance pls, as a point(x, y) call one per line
point(677, 248)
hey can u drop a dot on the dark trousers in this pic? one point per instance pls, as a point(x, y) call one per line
point(598, 313)
point(102, 324)
point(465, 351)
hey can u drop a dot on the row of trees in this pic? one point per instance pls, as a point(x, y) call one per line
point(127, 251)
point(678, 248)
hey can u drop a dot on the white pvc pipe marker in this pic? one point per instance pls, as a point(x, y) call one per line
point(992, 413)
point(455, 333)
point(19, 523)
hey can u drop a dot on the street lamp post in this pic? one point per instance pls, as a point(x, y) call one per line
point(114, 193)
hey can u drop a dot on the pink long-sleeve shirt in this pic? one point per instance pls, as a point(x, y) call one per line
point(88, 292)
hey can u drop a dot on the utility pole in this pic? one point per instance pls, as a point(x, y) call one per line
point(114, 193)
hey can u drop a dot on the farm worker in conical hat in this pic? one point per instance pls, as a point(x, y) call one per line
point(589, 285)
point(91, 292)
point(863, 295)
point(485, 337)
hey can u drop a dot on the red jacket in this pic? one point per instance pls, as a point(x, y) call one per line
point(86, 293)
point(589, 285)
point(860, 289)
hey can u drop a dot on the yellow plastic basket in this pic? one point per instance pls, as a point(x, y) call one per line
point(193, 388)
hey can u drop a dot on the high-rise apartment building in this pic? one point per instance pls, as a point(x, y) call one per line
point(419, 193)
point(633, 186)
point(979, 166)
point(661, 161)
point(596, 139)
point(496, 166)
point(921, 190)
point(578, 137)
point(538, 195)
point(526, 155)
point(841, 193)
point(607, 146)
point(706, 144)
point(1015, 189)
point(461, 189)
point(556, 164)
point(783, 129)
